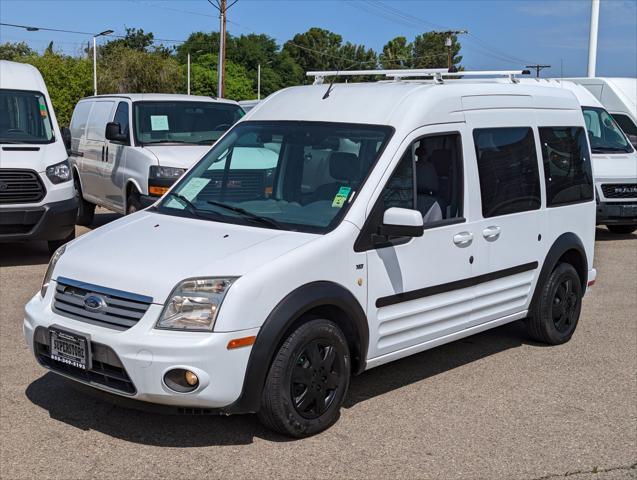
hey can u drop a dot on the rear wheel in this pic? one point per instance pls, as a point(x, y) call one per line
point(307, 381)
point(85, 210)
point(55, 244)
point(556, 314)
point(622, 229)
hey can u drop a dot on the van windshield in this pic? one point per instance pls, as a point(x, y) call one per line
point(24, 117)
point(604, 134)
point(200, 123)
point(283, 175)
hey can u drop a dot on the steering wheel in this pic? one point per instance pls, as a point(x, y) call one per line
point(222, 126)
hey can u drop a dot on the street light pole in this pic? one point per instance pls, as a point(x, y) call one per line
point(188, 73)
point(105, 32)
point(259, 81)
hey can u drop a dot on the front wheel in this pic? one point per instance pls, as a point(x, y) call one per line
point(85, 209)
point(133, 203)
point(556, 314)
point(307, 381)
point(622, 229)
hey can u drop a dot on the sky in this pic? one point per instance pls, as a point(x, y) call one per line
point(503, 34)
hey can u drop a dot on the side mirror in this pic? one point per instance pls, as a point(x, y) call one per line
point(114, 133)
point(402, 222)
point(66, 138)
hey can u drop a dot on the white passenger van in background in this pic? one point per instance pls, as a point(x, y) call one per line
point(619, 97)
point(614, 160)
point(37, 200)
point(389, 218)
point(127, 150)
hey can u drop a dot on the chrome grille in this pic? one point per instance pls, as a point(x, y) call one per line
point(113, 308)
point(620, 190)
point(20, 186)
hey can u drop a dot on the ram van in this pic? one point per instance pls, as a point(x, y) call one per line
point(127, 150)
point(37, 198)
point(332, 230)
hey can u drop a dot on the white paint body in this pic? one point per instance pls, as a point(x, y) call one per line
point(19, 76)
point(105, 182)
point(148, 253)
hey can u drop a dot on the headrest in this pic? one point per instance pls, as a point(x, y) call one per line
point(344, 166)
point(426, 178)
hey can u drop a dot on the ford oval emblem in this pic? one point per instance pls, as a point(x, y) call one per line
point(94, 303)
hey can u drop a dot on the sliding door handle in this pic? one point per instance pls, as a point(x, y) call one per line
point(463, 239)
point(492, 233)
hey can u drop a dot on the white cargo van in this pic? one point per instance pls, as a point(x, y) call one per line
point(614, 160)
point(37, 199)
point(619, 97)
point(375, 221)
point(127, 150)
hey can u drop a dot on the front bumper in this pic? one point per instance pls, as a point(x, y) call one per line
point(617, 213)
point(51, 221)
point(146, 354)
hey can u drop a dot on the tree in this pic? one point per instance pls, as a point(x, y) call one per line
point(14, 51)
point(198, 44)
point(135, 39)
point(429, 51)
point(204, 79)
point(397, 53)
point(125, 70)
point(316, 49)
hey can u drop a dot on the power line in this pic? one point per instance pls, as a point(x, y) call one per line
point(538, 68)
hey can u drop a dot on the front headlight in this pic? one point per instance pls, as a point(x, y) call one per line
point(49, 270)
point(60, 172)
point(166, 172)
point(194, 304)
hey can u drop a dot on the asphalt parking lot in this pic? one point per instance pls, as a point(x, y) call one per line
point(491, 406)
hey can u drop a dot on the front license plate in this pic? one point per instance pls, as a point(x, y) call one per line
point(629, 211)
point(71, 348)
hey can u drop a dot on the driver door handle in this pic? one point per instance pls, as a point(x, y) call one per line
point(463, 239)
point(492, 233)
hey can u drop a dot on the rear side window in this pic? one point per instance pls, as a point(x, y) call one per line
point(625, 123)
point(79, 119)
point(567, 165)
point(507, 165)
point(99, 117)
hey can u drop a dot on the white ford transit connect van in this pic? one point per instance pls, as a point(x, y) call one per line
point(361, 224)
point(614, 161)
point(619, 97)
point(37, 200)
point(127, 150)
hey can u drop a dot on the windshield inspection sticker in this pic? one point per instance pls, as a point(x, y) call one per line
point(193, 187)
point(159, 123)
point(341, 197)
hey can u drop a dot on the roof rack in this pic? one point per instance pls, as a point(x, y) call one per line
point(436, 73)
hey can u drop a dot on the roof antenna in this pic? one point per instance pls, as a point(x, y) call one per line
point(329, 88)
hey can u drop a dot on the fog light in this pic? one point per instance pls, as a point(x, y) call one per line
point(191, 378)
point(181, 380)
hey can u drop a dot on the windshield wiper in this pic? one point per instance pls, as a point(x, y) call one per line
point(187, 203)
point(246, 213)
point(165, 141)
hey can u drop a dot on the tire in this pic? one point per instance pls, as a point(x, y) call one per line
point(55, 244)
point(133, 203)
point(622, 229)
point(85, 209)
point(557, 312)
point(307, 381)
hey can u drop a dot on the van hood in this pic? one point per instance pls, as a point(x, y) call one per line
point(180, 156)
point(46, 155)
point(615, 166)
point(150, 253)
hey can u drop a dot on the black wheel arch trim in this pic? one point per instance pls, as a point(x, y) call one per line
point(281, 319)
point(563, 243)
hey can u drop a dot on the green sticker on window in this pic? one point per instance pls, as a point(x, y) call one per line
point(341, 197)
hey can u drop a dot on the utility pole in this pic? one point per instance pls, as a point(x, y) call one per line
point(449, 42)
point(538, 68)
point(188, 73)
point(592, 38)
point(222, 6)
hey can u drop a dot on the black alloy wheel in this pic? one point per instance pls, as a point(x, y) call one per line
point(565, 303)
